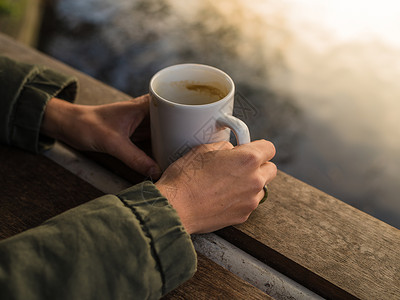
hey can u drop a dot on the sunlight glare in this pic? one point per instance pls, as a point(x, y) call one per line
point(352, 19)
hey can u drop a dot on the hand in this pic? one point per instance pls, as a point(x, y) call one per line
point(102, 128)
point(217, 185)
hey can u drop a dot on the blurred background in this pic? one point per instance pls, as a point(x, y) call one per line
point(318, 78)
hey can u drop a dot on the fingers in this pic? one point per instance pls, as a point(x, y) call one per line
point(262, 150)
point(252, 155)
point(140, 112)
point(232, 178)
point(135, 111)
point(268, 171)
point(142, 101)
point(260, 196)
point(266, 174)
point(136, 159)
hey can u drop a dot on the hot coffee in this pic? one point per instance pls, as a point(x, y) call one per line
point(192, 92)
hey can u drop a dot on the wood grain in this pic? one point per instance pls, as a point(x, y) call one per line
point(34, 189)
point(321, 242)
point(208, 274)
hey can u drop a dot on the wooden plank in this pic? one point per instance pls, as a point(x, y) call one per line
point(34, 189)
point(328, 246)
point(229, 286)
point(319, 241)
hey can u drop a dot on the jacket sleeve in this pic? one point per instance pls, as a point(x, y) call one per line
point(24, 92)
point(128, 246)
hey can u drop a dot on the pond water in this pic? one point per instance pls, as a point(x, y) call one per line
point(318, 78)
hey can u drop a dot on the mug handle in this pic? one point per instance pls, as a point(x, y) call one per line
point(238, 127)
point(242, 135)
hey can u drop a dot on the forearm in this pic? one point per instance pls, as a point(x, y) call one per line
point(59, 118)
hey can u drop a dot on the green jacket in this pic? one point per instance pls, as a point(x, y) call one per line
point(126, 246)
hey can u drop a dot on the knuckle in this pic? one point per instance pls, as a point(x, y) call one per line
point(269, 147)
point(200, 148)
point(273, 170)
point(257, 183)
point(249, 158)
point(247, 208)
point(253, 204)
point(243, 218)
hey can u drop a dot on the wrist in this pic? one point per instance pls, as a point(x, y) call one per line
point(56, 116)
point(172, 196)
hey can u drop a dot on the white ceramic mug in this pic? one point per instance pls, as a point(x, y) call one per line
point(191, 104)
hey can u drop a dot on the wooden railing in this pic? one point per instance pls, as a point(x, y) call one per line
point(322, 243)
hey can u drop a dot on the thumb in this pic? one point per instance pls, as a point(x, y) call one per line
point(137, 159)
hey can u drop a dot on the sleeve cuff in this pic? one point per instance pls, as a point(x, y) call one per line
point(27, 94)
point(171, 245)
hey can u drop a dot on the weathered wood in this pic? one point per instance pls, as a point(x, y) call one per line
point(229, 286)
point(34, 189)
point(319, 241)
point(116, 166)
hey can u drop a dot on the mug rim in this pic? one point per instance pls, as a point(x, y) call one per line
point(176, 66)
